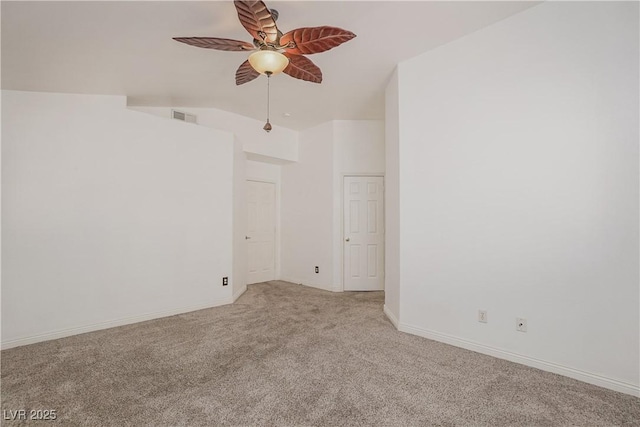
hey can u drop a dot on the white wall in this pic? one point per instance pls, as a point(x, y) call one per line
point(359, 146)
point(109, 216)
point(280, 145)
point(312, 197)
point(307, 210)
point(269, 151)
point(519, 184)
point(392, 258)
point(358, 149)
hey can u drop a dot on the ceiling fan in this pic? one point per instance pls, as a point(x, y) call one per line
point(274, 51)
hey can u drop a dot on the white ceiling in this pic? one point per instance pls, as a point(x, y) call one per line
point(125, 48)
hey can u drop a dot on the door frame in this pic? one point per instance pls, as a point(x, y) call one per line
point(342, 237)
point(276, 255)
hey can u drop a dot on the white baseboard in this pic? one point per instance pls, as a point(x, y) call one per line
point(62, 333)
point(290, 280)
point(301, 282)
point(239, 293)
point(321, 287)
point(577, 374)
point(391, 316)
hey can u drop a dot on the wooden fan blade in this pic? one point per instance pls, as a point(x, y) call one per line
point(257, 20)
point(301, 67)
point(310, 40)
point(245, 73)
point(216, 43)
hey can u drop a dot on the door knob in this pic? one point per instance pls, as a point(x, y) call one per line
point(347, 239)
point(246, 237)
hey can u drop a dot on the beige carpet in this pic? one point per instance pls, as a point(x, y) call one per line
point(288, 355)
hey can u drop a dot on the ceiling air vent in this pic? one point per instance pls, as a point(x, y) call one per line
point(179, 115)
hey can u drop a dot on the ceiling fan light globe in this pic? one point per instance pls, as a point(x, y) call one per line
point(268, 61)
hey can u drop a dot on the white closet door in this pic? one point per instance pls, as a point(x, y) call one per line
point(261, 231)
point(363, 233)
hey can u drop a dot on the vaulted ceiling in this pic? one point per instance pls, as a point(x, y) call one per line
point(126, 48)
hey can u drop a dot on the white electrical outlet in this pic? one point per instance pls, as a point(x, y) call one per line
point(521, 324)
point(482, 316)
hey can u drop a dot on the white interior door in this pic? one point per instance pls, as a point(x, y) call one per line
point(261, 231)
point(363, 233)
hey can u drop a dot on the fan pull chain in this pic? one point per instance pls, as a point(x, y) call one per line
point(267, 126)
